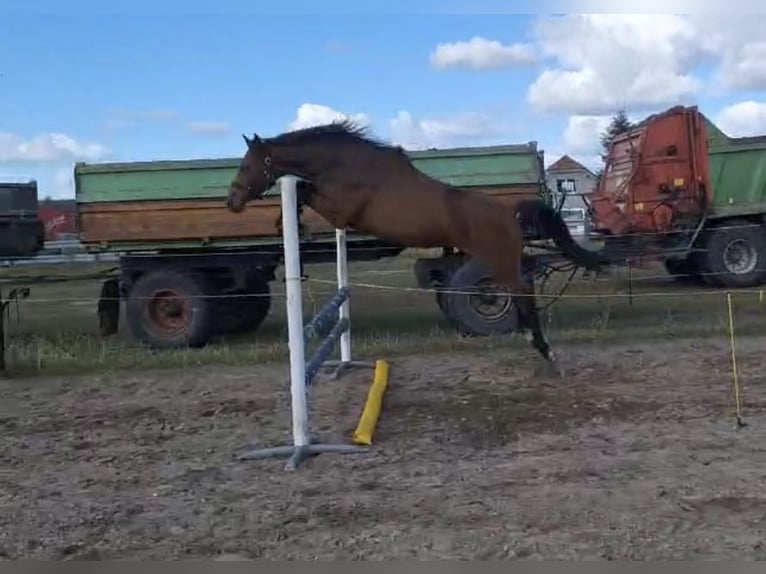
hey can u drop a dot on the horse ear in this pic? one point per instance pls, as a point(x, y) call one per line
point(251, 142)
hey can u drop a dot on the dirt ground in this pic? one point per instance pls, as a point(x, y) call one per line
point(634, 455)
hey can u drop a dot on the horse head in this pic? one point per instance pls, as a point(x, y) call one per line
point(253, 177)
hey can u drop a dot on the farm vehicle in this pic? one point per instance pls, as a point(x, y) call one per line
point(189, 269)
point(22, 231)
point(678, 190)
point(675, 189)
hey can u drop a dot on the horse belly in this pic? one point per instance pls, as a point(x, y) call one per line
point(408, 227)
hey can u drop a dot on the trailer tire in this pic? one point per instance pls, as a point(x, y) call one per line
point(464, 308)
point(158, 298)
point(244, 314)
point(443, 302)
point(736, 255)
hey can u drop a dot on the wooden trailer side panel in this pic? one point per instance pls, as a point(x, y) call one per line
point(209, 221)
point(184, 220)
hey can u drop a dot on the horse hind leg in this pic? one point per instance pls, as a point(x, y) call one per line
point(531, 324)
point(508, 269)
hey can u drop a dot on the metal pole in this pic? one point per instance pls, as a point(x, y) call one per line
point(294, 311)
point(345, 309)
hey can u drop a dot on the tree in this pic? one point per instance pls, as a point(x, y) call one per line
point(618, 125)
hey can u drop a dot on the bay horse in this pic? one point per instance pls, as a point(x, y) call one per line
point(358, 182)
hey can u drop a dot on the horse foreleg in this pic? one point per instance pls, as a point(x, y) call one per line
point(278, 223)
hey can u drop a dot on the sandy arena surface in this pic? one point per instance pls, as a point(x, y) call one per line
point(633, 456)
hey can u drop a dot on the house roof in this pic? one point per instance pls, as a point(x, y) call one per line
point(566, 163)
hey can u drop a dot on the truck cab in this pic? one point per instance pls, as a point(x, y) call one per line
point(22, 231)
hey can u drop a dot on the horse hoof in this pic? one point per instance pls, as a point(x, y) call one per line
point(463, 336)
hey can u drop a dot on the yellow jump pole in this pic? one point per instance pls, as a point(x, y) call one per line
point(371, 411)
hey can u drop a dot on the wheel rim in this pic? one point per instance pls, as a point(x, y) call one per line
point(740, 257)
point(169, 312)
point(487, 302)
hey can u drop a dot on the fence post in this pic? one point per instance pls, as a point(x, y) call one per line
point(294, 308)
point(345, 309)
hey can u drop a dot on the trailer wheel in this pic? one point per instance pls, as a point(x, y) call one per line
point(477, 309)
point(443, 302)
point(244, 314)
point(736, 255)
point(169, 310)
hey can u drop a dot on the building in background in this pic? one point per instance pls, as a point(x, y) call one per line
point(571, 180)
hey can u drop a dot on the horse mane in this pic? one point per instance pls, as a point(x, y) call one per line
point(334, 132)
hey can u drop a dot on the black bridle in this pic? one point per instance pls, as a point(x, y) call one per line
point(268, 173)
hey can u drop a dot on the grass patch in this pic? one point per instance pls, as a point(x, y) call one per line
point(57, 332)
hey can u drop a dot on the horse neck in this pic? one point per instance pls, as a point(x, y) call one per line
point(300, 160)
point(314, 160)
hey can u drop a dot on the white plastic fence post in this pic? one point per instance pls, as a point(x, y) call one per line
point(294, 311)
point(345, 309)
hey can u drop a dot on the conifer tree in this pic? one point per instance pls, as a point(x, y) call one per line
point(619, 125)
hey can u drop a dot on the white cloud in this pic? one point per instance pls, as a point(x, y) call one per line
point(583, 134)
point(208, 128)
point(495, 7)
point(48, 147)
point(608, 61)
point(310, 115)
point(598, 63)
point(408, 131)
point(463, 129)
point(744, 67)
point(63, 184)
point(481, 54)
point(743, 119)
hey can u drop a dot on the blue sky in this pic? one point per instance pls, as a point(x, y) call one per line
point(99, 86)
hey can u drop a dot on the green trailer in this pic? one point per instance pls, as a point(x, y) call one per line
point(178, 243)
point(737, 174)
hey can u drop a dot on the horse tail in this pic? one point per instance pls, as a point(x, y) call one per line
point(537, 214)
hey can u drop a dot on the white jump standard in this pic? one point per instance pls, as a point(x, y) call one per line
point(302, 373)
point(344, 310)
